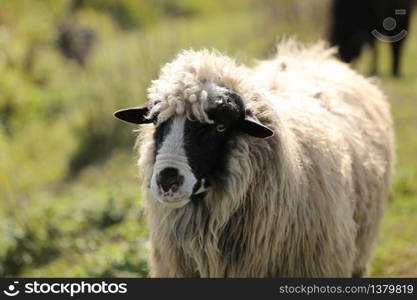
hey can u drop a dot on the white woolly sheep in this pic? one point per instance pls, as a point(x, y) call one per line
point(281, 170)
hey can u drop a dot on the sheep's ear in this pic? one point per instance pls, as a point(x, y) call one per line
point(136, 115)
point(254, 128)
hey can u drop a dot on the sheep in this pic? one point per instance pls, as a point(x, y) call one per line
point(280, 170)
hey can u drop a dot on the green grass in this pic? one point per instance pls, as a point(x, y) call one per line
point(69, 198)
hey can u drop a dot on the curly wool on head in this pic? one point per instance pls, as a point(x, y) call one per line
point(188, 84)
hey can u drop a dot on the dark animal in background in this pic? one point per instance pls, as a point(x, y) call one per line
point(355, 24)
point(76, 42)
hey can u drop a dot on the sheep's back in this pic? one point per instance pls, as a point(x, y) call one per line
point(342, 122)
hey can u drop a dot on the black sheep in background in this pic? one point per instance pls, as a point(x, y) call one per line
point(356, 23)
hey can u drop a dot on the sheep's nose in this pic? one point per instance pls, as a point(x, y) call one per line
point(170, 179)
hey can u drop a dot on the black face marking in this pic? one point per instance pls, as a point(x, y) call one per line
point(160, 133)
point(207, 146)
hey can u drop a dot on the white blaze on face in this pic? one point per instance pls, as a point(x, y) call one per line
point(172, 154)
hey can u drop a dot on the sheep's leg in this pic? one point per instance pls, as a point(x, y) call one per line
point(163, 266)
point(396, 55)
point(158, 270)
point(374, 63)
point(159, 267)
point(359, 273)
point(368, 215)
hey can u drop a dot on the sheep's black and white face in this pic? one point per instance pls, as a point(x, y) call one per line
point(191, 156)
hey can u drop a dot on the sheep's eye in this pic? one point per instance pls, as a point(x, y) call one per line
point(220, 128)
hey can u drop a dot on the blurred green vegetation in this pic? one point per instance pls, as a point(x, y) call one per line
point(69, 197)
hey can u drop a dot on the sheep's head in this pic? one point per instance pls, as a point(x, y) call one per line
point(197, 113)
point(191, 154)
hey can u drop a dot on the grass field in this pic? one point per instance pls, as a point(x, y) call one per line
point(69, 198)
